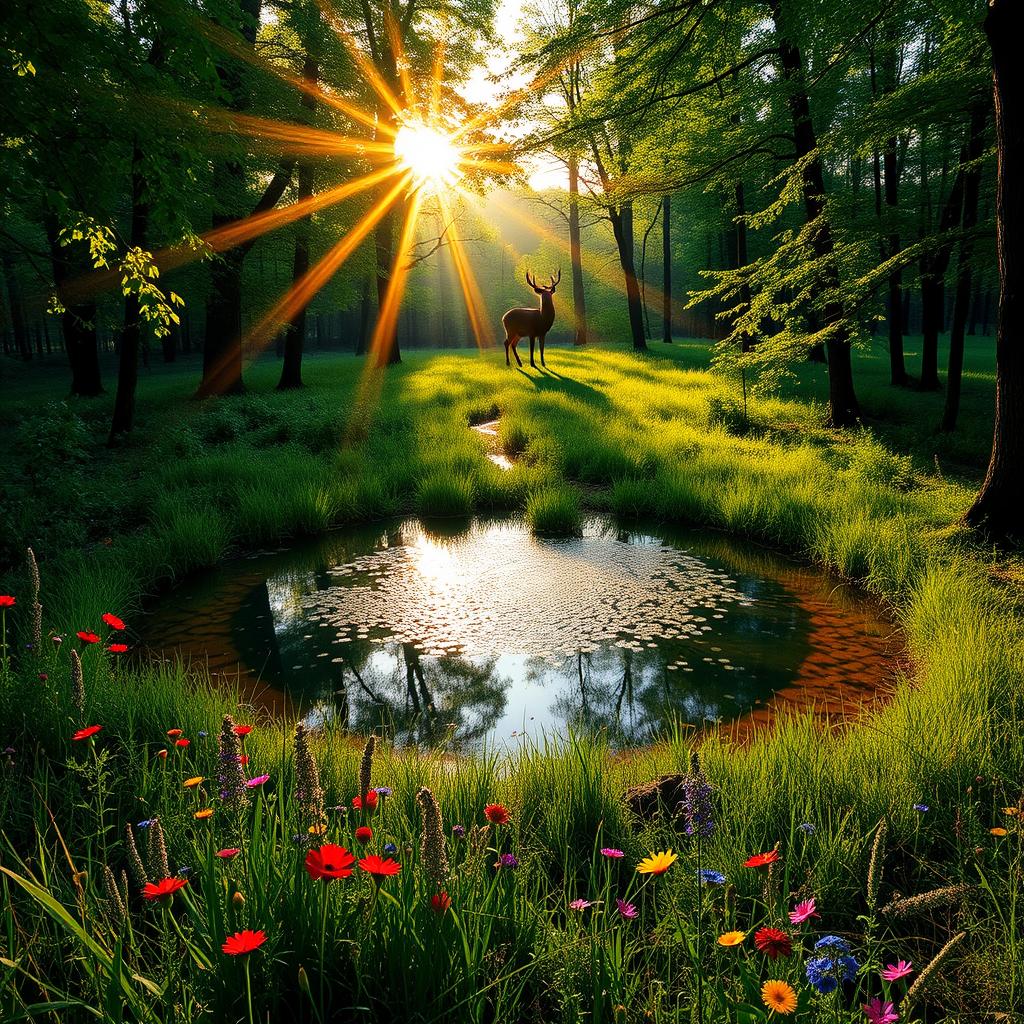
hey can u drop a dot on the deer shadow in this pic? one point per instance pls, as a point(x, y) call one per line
point(547, 380)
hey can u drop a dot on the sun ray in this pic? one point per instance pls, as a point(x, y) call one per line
point(436, 78)
point(479, 321)
point(398, 52)
point(497, 166)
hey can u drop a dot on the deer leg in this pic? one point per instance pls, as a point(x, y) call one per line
point(532, 340)
point(508, 341)
point(542, 337)
point(515, 350)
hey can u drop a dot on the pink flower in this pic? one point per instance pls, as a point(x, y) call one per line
point(610, 851)
point(228, 854)
point(580, 905)
point(803, 911)
point(878, 1012)
point(258, 781)
point(627, 910)
point(900, 969)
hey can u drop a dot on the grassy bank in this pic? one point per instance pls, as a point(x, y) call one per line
point(655, 436)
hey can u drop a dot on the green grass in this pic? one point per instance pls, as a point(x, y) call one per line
point(554, 512)
point(639, 436)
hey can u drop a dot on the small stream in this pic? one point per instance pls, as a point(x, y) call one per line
point(483, 634)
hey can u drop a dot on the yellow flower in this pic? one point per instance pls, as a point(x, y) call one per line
point(998, 831)
point(317, 830)
point(193, 782)
point(1011, 810)
point(207, 812)
point(731, 938)
point(657, 863)
point(778, 996)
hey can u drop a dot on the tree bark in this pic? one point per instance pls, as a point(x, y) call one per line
point(579, 299)
point(962, 300)
point(622, 228)
point(997, 510)
point(666, 260)
point(844, 409)
point(295, 332)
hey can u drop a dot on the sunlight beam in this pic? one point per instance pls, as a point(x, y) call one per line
point(479, 321)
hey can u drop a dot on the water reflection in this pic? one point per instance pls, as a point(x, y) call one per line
point(485, 633)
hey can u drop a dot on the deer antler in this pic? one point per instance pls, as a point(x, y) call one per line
point(555, 280)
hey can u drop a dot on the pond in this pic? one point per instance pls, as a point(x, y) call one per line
point(486, 634)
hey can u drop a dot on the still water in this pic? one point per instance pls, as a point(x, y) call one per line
point(485, 634)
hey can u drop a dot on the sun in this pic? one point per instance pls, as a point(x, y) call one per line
point(429, 154)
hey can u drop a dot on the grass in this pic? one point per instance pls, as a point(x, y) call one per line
point(604, 429)
point(554, 512)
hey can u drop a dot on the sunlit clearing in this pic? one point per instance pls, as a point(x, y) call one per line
point(430, 154)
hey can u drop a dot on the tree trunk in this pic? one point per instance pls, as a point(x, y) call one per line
point(894, 306)
point(77, 322)
point(622, 227)
point(666, 260)
point(746, 341)
point(17, 308)
point(579, 299)
point(997, 509)
point(962, 301)
point(843, 407)
point(295, 332)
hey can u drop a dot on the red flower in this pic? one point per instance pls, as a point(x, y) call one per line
point(243, 730)
point(6, 601)
point(88, 638)
point(162, 754)
point(243, 942)
point(773, 942)
point(497, 814)
point(227, 854)
point(760, 860)
point(111, 620)
point(243, 759)
point(440, 902)
point(117, 648)
point(329, 862)
point(173, 732)
point(164, 889)
point(364, 833)
point(89, 730)
point(182, 743)
point(369, 801)
point(379, 867)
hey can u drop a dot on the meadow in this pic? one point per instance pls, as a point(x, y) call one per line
point(903, 827)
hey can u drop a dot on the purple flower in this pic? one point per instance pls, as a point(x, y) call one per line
point(384, 791)
point(610, 851)
point(712, 877)
point(807, 828)
point(459, 831)
point(145, 823)
point(507, 860)
point(626, 910)
point(923, 808)
point(695, 807)
point(580, 905)
point(257, 781)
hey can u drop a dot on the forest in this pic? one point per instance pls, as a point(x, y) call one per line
point(665, 666)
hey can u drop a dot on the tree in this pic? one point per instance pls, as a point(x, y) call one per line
point(997, 508)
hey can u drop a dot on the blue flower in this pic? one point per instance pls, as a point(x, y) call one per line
point(832, 942)
point(712, 877)
point(390, 848)
point(820, 974)
point(145, 823)
point(923, 808)
point(384, 791)
point(184, 871)
point(825, 972)
point(695, 807)
point(203, 734)
point(807, 828)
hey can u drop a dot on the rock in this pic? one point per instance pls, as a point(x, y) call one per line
point(659, 796)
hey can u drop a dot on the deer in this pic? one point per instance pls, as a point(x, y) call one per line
point(531, 323)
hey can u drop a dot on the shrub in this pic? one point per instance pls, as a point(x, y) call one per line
point(445, 492)
point(555, 512)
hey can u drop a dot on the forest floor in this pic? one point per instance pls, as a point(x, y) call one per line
point(654, 436)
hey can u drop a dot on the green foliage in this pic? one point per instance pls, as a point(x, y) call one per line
point(554, 512)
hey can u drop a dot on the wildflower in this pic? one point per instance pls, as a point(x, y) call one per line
point(923, 808)
point(77, 683)
point(657, 863)
point(6, 601)
point(231, 781)
point(365, 770)
point(383, 791)
point(156, 850)
point(610, 851)
point(174, 733)
point(807, 828)
point(84, 734)
point(37, 608)
point(228, 853)
point(369, 802)
point(580, 905)
point(698, 817)
point(832, 942)
point(803, 911)
point(433, 852)
point(182, 742)
point(459, 831)
point(196, 780)
point(206, 812)
point(925, 977)
point(203, 734)
point(162, 754)
point(898, 970)
point(184, 871)
point(1012, 811)
point(507, 860)
point(998, 831)
point(163, 890)
point(256, 782)
point(711, 877)
point(497, 814)
point(243, 759)
point(117, 648)
point(379, 867)
point(440, 902)
point(238, 899)
point(779, 997)
point(317, 830)
point(42, 676)
point(243, 942)
point(626, 910)
point(912, 905)
point(773, 942)
point(112, 621)
point(242, 730)
point(364, 834)
point(135, 865)
point(880, 1013)
point(57, 641)
point(835, 965)
point(145, 823)
point(329, 862)
point(117, 899)
point(760, 860)
point(88, 638)
point(731, 938)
